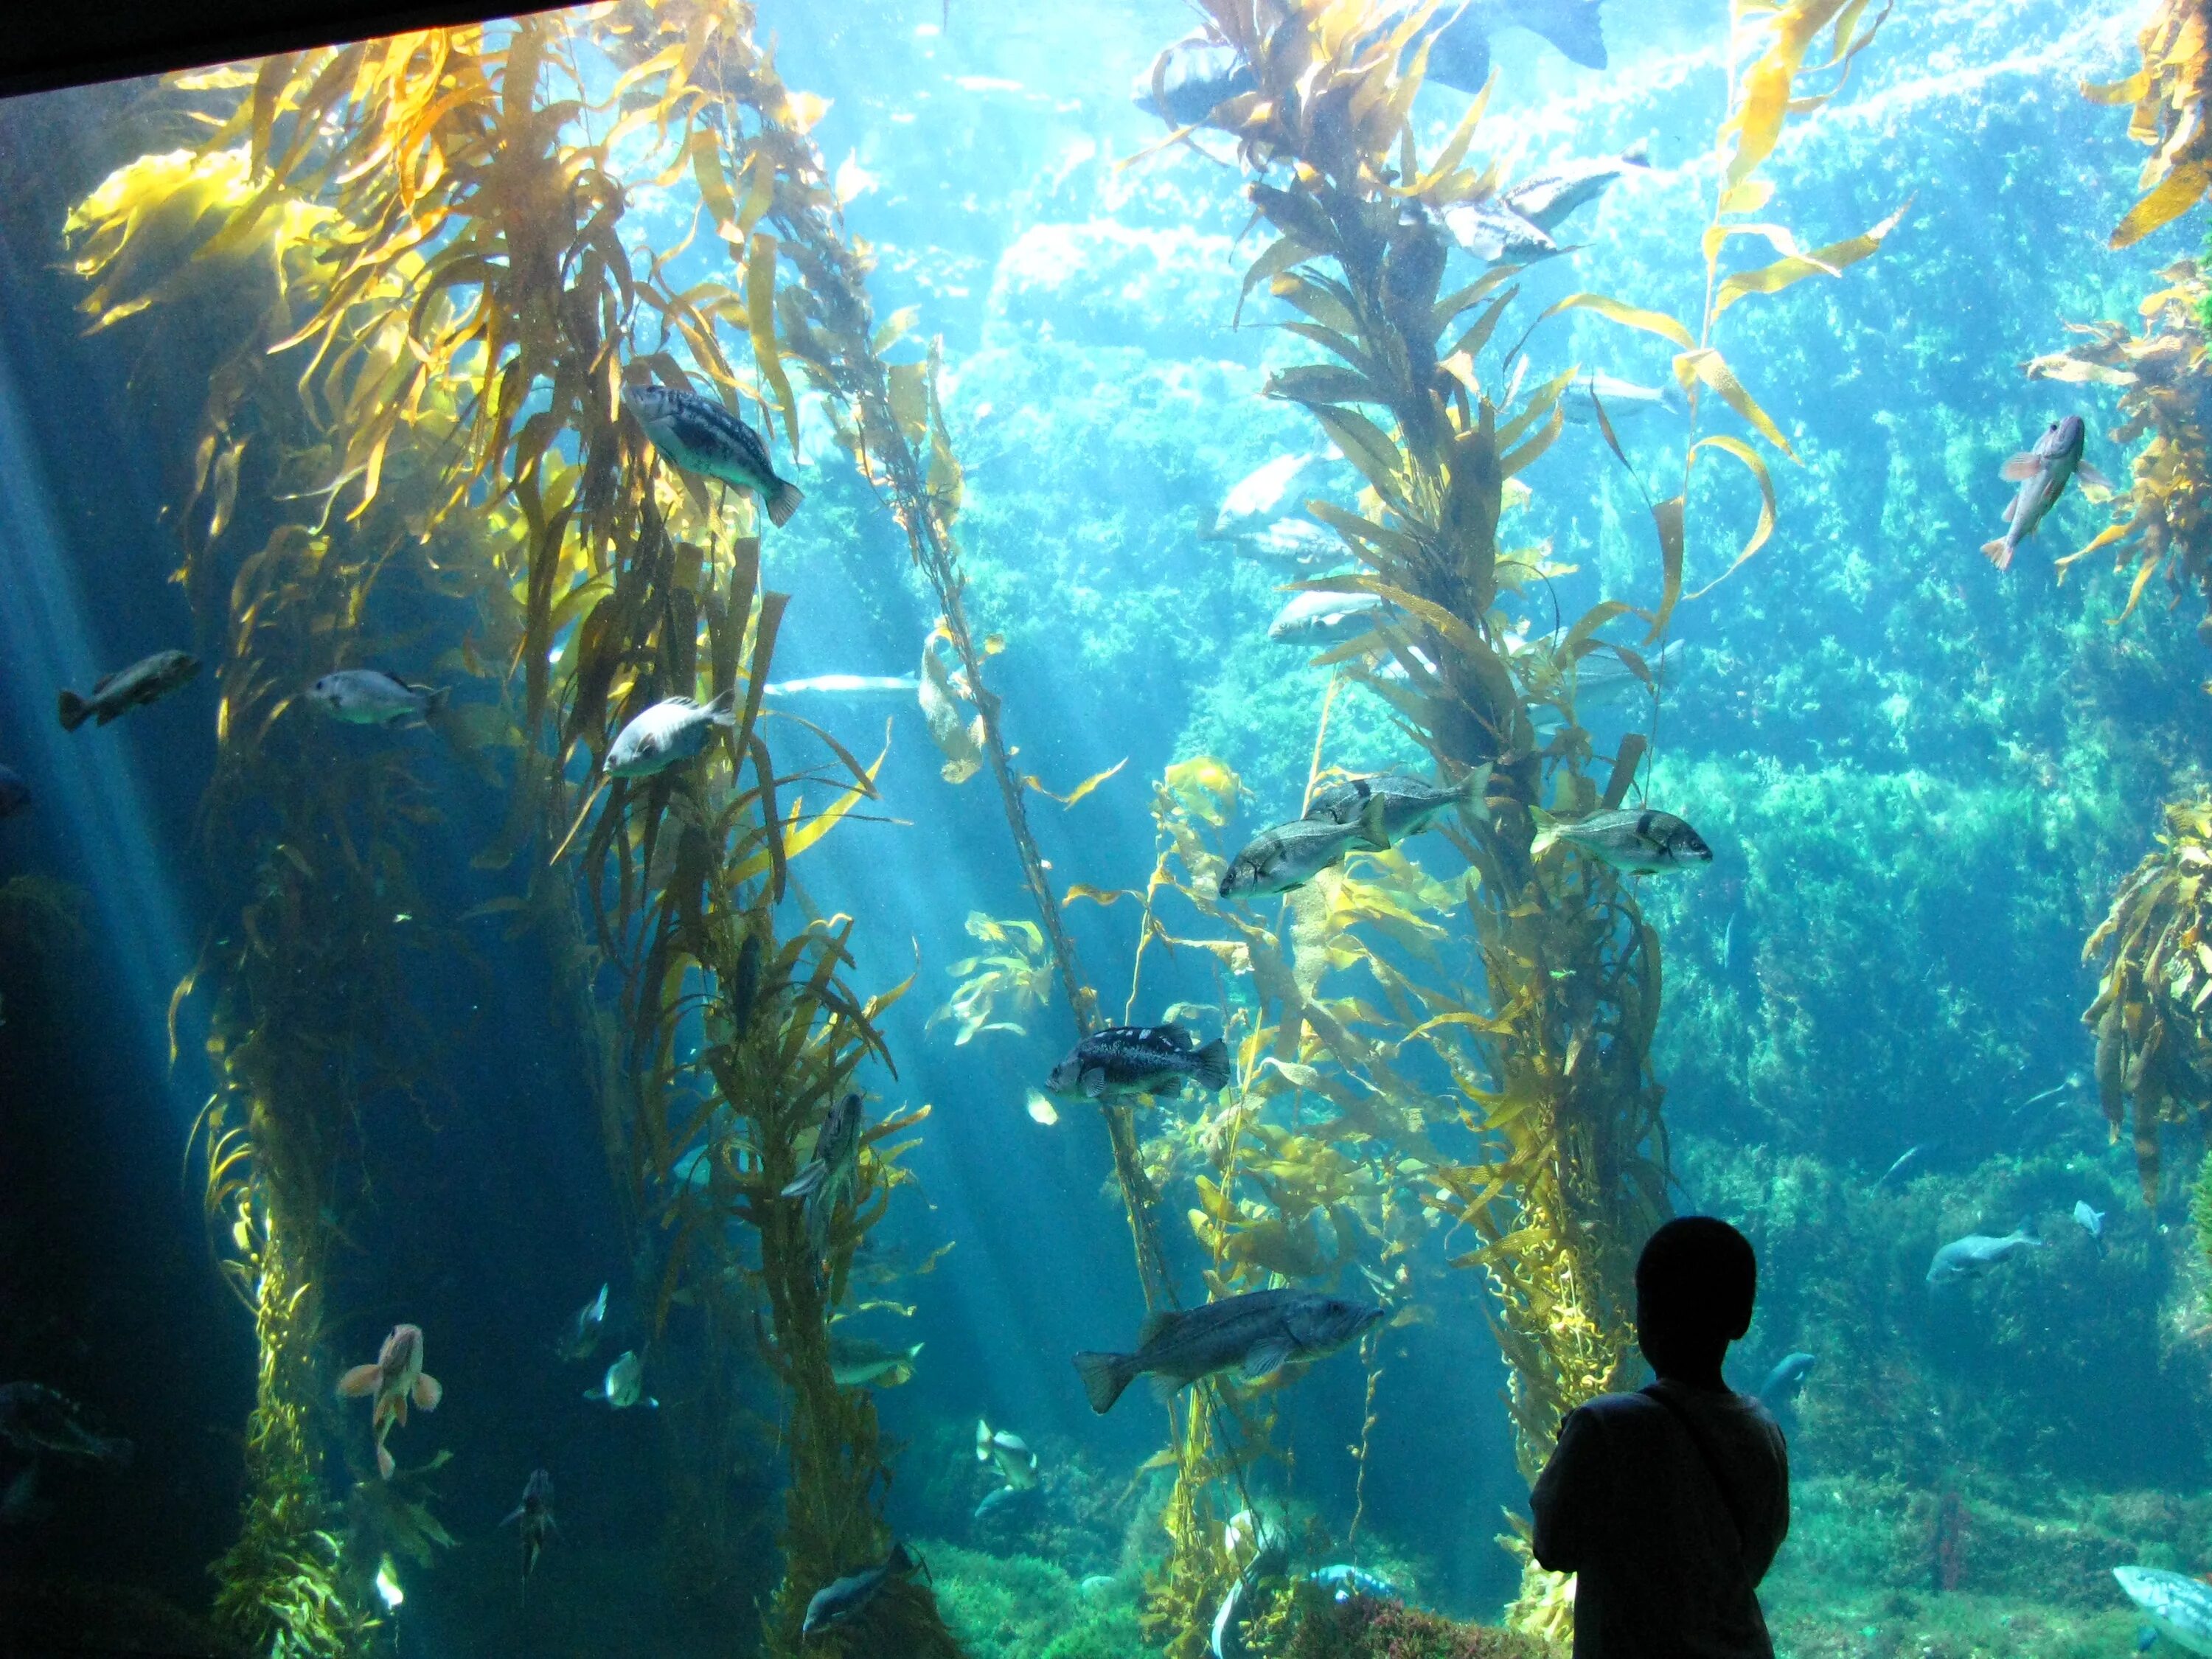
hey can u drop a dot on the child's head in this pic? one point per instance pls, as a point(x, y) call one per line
point(1694, 1285)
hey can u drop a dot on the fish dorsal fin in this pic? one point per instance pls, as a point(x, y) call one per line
point(103, 683)
point(1157, 1326)
point(389, 678)
point(2022, 467)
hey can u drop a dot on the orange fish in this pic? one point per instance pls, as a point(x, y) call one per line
point(396, 1378)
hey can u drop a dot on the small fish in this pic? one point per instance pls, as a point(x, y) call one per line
point(369, 696)
point(1192, 78)
point(1977, 1253)
point(1636, 840)
point(14, 793)
point(999, 1497)
point(1497, 236)
point(1299, 542)
point(1785, 1380)
point(842, 686)
point(1257, 501)
point(857, 1362)
point(1016, 1464)
point(535, 1512)
point(1256, 1333)
point(36, 1418)
point(1040, 1109)
point(396, 1380)
point(2090, 1221)
point(1619, 398)
point(1909, 1160)
point(147, 680)
point(1140, 1060)
point(2178, 1607)
point(1409, 804)
point(1545, 198)
point(830, 1174)
point(1347, 1582)
point(674, 729)
point(623, 1386)
point(1292, 854)
point(1312, 619)
point(842, 1599)
point(2042, 474)
point(582, 1340)
point(700, 436)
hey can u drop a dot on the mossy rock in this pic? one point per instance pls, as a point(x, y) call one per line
point(1369, 1627)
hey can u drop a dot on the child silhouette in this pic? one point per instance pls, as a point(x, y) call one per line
point(1670, 1504)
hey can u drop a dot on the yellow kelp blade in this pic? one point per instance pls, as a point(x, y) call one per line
point(1829, 261)
point(1744, 452)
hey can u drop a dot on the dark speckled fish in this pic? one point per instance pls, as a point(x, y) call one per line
point(1256, 1333)
point(1140, 1060)
point(702, 436)
point(145, 681)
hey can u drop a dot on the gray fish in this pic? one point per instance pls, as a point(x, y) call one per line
point(1619, 398)
point(623, 1385)
point(1292, 854)
point(369, 696)
point(1016, 1464)
point(2179, 1607)
point(1311, 618)
point(2042, 474)
point(1262, 496)
point(1636, 840)
point(535, 1512)
point(1409, 804)
point(859, 1362)
point(1603, 677)
point(1140, 1060)
point(1546, 197)
point(843, 1599)
point(1977, 1253)
point(14, 793)
point(999, 1497)
point(1497, 236)
point(147, 680)
point(830, 1174)
point(2091, 1222)
point(1298, 542)
point(1256, 1333)
point(582, 1340)
point(35, 1418)
point(1784, 1382)
point(700, 436)
point(674, 729)
point(1192, 78)
point(1907, 1161)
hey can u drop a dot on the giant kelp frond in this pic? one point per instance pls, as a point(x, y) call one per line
point(2169, 92)
point(1017, 974)
point(2164, 520)
point(2152, 1027)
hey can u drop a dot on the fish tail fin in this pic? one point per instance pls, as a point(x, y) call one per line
point(385, 1465)
point(782, 501)
point(75, 711)
point(1476, 784)
point(1548, 832)
point(1999, 552)
point(723, 710)
point(1210, 1065)
point(1372, 828)
point(1104, 1376)
point(360, 1380)
point(434, 699)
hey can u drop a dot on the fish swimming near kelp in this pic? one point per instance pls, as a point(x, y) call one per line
point(581, 1339)
point(1262, 496)
point(535, 1514)
point(395, 1381)
point(623, 1386)
point(148, 680)
point(831, 1173)
point(699, 436)
point(1637, 841)
point(844, 1599)
point(2042, 474)
point(1296, 542)
point(1546, 197)
point(14, 793)
point(1497, 236)
point(1289, 855)
point(35, 1418)
point(2179, 1607)
point(844, 686)
point(369, 696)
point(1255, 1334)
point(1190, 78)
point(1409, 805)
point(1313, 618)
point(1140, 1060)
point(1620, 399)
point(673, 730)
point(1977, 1253)
point(859, 1362)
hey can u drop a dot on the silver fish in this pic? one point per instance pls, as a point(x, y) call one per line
point(859, 1362)
point(1311, 618)
point(1545, 198)
point(1977, 1253)
point(1292, 854)
point(1140, 1060)
point(1265, 494)
point(623, 1385)
point(369, 696)
point(1409, 804)
point(831, 1173)
point(2091, 1222)
point(1016, 1464)
point(1256, 1333)
point(1620, 399)
point(700, 436)
point(1497, 236)
point(116, 694)
point(1299, 542)
point(843, 1598)
point(842, 686)
point(2178, 1606)
point(674, 729)
point(1636, 840)
point(2042, 474)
